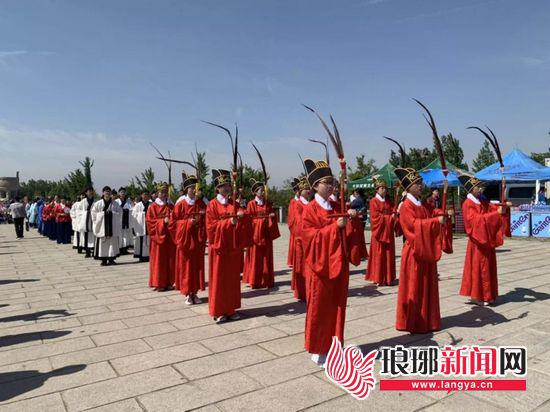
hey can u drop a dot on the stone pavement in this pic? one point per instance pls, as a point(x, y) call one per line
point(76, 336)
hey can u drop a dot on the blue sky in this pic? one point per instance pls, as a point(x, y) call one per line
point(105, 77)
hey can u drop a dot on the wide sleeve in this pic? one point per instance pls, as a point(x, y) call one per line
point(423, 234)
point(273, 224)
point(291, 218)
point(98, 218)
point(181, 227)
point(322, 243)
point(157, 228)
point(446, 231)
point(381, 224)
point(220, 232)
point(484, 229)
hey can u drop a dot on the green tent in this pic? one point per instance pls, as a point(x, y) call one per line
point(385, 173)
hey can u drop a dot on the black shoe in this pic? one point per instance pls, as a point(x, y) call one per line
point(112, 262)
point(103, 263)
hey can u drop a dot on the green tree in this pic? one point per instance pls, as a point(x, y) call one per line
point(363, 168)
point(484, 158)
point(87, 164)
point(73, 184)
point(539, 157)
point(453, 152)
point(145, 181)
point(420, 157)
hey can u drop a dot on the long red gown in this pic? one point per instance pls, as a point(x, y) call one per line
point(224, 259)
point(446, 229)
point(292, 206)
point(258, 266)
point(189, 240)
point(484, 228)
point(162, 249)
point(381, 264)
point(298, 281)
point(327, 273)
point(418, 294)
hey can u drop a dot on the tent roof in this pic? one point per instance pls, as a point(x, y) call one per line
point(386, 172)
point(517, 166)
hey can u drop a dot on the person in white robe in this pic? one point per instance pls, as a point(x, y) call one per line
point(84, 222)
point(126, 238)
point(106, 218)
point(139, 226)
point(74, 222)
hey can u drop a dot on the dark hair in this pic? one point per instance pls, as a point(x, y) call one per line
point(17, 198)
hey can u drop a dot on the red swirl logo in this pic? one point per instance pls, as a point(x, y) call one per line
point(350, 370)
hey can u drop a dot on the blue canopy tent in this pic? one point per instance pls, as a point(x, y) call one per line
point(432, 175)
point(517, 166)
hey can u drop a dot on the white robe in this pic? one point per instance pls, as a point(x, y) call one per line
point(106, 246)
point(74, 224)
point(126, 238)
point(84, 224)
point(139, 226)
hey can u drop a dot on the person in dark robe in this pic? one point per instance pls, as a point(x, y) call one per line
point(126, 239)
point(326, 263)
point(162, 248)
point(258, 268)
point(418, 293)
point(106, 216)
point(188, 231)
point(483, 225)
point(298, 281)
point(138, 223)
point(224, 227)
point(381, 264)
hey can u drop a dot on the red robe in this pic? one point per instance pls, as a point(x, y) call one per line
point(358, 245)
point(189, 240)
point(298, 281)
point(327, 272)
point(292, 206)
point(483, 226)
point(418, 294)
point(162, 249)
point(381, 265)
point(446, 229)
point(258, 267)
point(224, 259)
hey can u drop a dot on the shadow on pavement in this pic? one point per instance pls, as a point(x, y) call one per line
point(24, 381)
point(44, 314)
point(523, 295)
point(8, 281)
point(10, 340)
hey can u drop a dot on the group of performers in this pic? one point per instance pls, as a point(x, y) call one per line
point(325, 237)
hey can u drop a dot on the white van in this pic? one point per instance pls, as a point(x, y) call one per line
point(517, 193)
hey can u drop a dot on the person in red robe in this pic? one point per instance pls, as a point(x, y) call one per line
point(224, 227)
point(326, 263)
point(290, 220)
point(298, 282)
point(162, 249)
point(483, 224)
point(434, 205)
point(418, 293)
point(381, 264)
point(186, 228)
point(258, 266)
